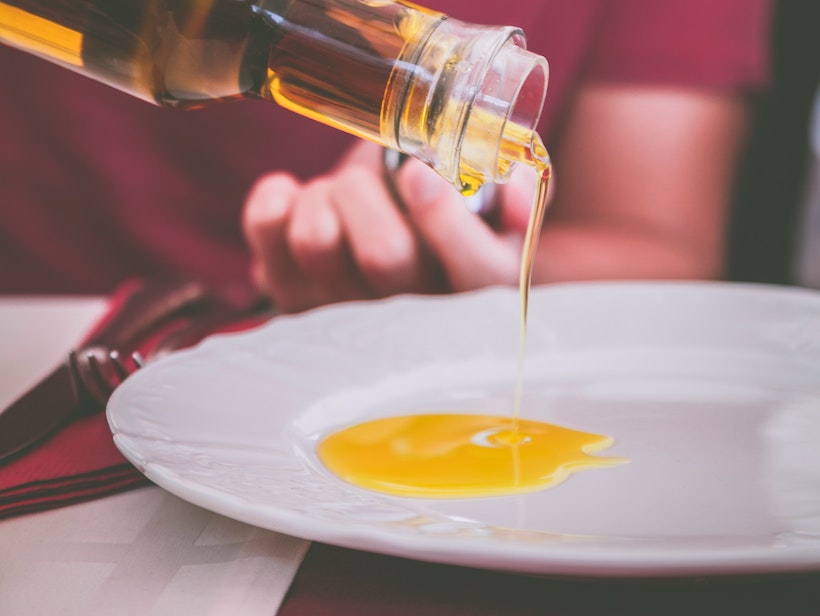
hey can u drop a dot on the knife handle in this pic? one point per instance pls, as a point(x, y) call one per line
point(144, 308)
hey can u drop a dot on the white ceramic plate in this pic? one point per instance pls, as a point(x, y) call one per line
point(711, 390)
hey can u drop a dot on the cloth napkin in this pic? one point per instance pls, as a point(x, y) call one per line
point(80, 461)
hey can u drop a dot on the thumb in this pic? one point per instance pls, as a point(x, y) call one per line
point(470, 252)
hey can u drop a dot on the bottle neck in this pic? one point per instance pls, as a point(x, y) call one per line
point(466, 100)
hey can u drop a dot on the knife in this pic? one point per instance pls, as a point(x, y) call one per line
point(72, 387)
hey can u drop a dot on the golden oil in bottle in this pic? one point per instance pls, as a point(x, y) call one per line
point(392, 72)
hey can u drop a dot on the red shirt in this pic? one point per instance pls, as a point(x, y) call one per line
point(96, 186)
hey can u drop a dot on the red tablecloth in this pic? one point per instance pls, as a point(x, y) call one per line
point(80, 461)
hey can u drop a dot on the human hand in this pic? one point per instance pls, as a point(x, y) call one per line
point(341, 236)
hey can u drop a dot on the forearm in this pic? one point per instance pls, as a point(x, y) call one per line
point(643, 186)
point(586, 251)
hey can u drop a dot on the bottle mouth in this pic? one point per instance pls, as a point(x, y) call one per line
point(470, 98)
point(500, 132)
point(531, 71)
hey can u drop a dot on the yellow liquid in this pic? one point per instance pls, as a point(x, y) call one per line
point(459, 456)
point(537, 156)
point(325, 59)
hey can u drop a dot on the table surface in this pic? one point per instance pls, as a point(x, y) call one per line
point(143, 553)
point(330, 580)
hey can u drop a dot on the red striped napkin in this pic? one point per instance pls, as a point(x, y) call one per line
point(80, 461)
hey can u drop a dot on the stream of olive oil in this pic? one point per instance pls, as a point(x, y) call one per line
point(529, 149)
point(538, 157)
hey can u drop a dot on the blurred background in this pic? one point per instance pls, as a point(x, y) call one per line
point(775, 230)
point(774, 233)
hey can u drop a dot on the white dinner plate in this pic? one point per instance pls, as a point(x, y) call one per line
point(712, 391)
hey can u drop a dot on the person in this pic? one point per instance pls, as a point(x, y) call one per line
point(644, 117)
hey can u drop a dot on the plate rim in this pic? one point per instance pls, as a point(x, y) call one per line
point(557, 561)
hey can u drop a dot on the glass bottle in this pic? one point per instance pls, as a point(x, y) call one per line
point(463, 98)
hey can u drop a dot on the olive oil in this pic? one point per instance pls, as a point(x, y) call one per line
point(446, 456)
point(190, 53)
point(391, 72)
point(539, 158)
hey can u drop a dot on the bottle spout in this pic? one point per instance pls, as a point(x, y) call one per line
point(522, 145)
point(471, 104)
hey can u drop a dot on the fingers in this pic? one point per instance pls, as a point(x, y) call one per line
point(264, 222)
point(471, 253)
point(341, 237)
point(335, 238)
point(382, 243)
point(300, 254)
point(317, 242)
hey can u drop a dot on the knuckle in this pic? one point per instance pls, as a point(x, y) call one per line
point(268, 201)
point(315, 230)
point(381, 259)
